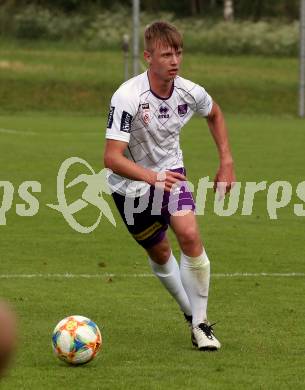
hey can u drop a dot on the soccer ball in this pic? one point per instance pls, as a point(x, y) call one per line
point(76, 340)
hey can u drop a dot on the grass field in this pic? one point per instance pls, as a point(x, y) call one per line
point(53, 103)
point(260, 319)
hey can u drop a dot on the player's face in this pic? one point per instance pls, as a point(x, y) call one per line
point(164, 61)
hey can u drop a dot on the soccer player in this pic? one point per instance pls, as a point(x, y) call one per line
point(143, 152)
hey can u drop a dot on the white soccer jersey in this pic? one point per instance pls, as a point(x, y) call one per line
point(151, 125)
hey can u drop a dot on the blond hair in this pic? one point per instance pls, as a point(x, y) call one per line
point(162, 34)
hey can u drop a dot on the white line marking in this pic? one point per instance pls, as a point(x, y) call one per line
point(11, 131)
point(258, 274)
point(144, 275)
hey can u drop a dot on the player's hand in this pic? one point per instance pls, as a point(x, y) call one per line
point(225, 179)
point(167, 179)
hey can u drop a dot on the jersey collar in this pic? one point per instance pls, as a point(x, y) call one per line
point(157, 96)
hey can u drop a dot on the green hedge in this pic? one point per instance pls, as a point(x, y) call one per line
point(105, 30)
point(243, 38)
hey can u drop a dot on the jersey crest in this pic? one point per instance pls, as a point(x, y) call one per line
point(182, 109)
point(145, 113)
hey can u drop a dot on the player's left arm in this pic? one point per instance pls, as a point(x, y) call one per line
point(218, 128)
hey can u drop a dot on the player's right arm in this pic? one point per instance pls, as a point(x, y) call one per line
point(115, 160)
point(122, 111)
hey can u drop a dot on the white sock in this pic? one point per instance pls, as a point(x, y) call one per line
point(195, 277)
point(169, 276)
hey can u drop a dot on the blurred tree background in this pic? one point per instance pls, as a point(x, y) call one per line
point(243, 9)
point(265, 27)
